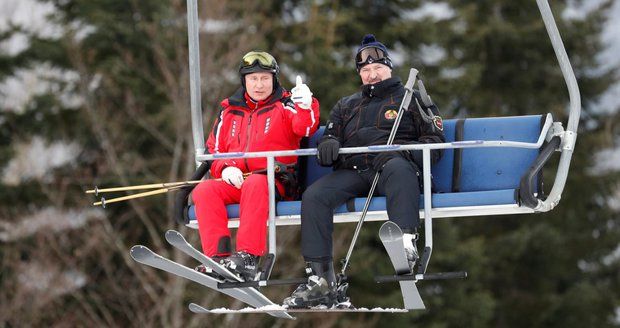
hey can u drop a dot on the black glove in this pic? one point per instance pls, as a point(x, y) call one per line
point(382, 158)
point(328, 152)
point(417, 157)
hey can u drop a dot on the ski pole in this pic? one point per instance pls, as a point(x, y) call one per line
point(104, 201)
point(403, 105)
point(97, 191)
point(171, 187)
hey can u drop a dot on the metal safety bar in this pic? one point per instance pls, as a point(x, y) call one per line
point(376, 149)
point(272, 210)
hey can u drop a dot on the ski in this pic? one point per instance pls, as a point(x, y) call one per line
point(145, 256)
point(392, 238)
point(201, 310)
point(177, 240)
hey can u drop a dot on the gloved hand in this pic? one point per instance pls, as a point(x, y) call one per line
point(328, 152)
point(382, 158)
point(301, 94)
point(417, 157)
point(233, 176)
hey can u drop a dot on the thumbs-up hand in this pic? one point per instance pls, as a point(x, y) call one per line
point(301, 94)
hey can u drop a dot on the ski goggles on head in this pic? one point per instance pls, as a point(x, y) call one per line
point(260, 58)
point(372, 55)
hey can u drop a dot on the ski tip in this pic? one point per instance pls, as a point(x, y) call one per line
point(138, 252)
point(390, 230)
point(173, 236)
point(197, 308)
point(387, 224)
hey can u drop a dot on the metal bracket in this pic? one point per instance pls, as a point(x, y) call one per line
point(556, 129)
point(568, 141)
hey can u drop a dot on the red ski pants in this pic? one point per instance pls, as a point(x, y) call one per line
point(211, 197)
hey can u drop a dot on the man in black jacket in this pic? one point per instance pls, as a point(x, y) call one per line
point(363, 119)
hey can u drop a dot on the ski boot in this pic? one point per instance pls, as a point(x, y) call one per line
point(411, 249)
point(321, 290)
point(208, 271)
point(343, 301)
point(243, 264)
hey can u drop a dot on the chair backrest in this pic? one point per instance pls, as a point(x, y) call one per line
point(473, 169)
point(313, 170)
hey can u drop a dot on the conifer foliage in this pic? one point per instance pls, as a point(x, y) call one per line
point(101, 97)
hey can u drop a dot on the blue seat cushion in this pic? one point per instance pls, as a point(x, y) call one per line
point(441, 200)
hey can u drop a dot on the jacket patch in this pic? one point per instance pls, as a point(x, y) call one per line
point(438, 122)
point(390, 114)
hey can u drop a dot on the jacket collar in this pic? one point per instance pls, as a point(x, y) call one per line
point(241, 99)
point(383, 88)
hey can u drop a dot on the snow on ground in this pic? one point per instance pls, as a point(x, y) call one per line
point(28, 163)
point(434, 10)
point(40, 279)
point(276, 307)
point(17, 90)
point(29, 15)
point(48, 219)
point(41, 282)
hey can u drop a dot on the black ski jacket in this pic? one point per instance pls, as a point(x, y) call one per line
point(366, 118)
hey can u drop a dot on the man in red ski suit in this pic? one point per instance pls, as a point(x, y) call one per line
point(260, 116)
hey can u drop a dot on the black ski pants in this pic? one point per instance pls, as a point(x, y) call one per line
point(398, 182)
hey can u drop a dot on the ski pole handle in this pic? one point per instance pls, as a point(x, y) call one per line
point(413, 73)
point(404, 104)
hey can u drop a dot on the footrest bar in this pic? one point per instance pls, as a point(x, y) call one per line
point(427, 276)
point(261, 283)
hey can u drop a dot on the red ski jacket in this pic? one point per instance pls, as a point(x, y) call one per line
point(246, 126)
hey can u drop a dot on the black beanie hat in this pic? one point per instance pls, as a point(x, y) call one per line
point(370, 41)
